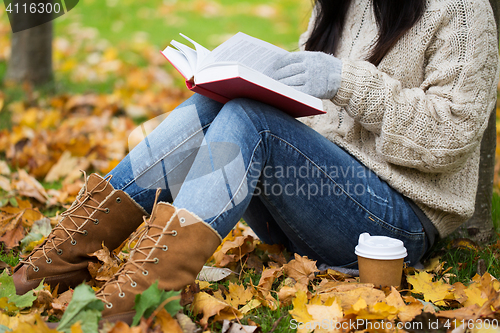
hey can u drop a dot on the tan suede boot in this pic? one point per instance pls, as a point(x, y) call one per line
point(99, 214)
point(172, 249)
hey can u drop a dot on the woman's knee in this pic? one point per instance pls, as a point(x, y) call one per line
point(244, 110)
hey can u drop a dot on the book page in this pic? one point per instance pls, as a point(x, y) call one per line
point(249, 51)
point(179, 61)
point(201, 51)
point(188, 52)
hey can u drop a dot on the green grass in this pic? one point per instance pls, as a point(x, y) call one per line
point(11, 257)
point(266, 319)
point(280, 22)
point(464, 263)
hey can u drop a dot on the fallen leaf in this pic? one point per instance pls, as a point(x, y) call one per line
point(185, 323)
point(232, 327)
point(13, 236)
point(210, 306)
point(432, 291)
point(213, 274)
point(121, 327)
point(4, 167)
point(253, 304)
point(148, 301)
point(85, 308)
point(167, 324)
point(238, 295)
point(109, 265)
point(30, 187)
point(299, 311)
point(301, 269)
point(233, 251)
point(65, 166)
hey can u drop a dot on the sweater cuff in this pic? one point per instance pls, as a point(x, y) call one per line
point(353, 74)
point(345, 91)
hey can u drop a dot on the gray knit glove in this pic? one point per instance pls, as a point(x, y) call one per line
point(314, 73)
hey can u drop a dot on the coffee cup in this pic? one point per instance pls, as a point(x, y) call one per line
point(380, 260)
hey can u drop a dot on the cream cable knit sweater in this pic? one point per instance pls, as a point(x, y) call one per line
point(417, 119)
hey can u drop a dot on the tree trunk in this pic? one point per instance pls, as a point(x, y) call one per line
point(31, 54)
point(480, 227)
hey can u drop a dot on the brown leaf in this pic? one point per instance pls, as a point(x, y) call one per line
point(109, 265)
point(254, 263)
point(61, 302)
point(301, 269)
point(43, 300)
point(233, 251)
point(187, 294)
point(30, 187)
point(210, 306)
point(465, 313)
point(12, 237)
point(267, 279)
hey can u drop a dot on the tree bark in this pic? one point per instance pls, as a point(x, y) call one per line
point(31, 53)
point(480, 227)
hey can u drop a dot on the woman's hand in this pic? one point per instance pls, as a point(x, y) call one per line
point(314, 73)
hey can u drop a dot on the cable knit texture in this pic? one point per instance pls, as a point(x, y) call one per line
point(417, 118)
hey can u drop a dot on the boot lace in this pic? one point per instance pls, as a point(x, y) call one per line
point(125, 273)
point(82, 201)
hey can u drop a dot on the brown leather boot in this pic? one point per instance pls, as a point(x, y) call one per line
point(99, 214)
point(172, 249)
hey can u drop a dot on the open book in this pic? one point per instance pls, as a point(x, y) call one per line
point(237, 68)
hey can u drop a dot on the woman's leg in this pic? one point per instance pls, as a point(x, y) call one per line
point(164, 157)
point(320, 197)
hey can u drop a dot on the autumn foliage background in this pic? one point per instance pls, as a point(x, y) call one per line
point(109, 78)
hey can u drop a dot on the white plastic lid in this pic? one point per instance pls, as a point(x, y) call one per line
point(380, 247)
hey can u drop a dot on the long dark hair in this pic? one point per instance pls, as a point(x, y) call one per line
point(394, 18)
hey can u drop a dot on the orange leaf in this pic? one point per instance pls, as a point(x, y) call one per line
point(167, 323)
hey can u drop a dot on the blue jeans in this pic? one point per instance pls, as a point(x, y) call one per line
point(289, 183)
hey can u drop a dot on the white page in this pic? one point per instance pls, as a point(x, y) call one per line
point(249, 51)
point(188, 52)
point(179, 61)
point(201, 51)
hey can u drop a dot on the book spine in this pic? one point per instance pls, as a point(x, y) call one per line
point(207, 93)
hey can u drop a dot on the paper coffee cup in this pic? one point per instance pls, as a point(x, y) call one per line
point(380, 260)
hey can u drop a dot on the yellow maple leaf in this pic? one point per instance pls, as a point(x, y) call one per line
point(299, 311)
point(330, 311)
point(238, 294)
point(405, 312)
point(433, 291)
point(474, 296)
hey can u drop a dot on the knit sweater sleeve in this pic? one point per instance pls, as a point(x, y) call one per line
point(436, 126)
